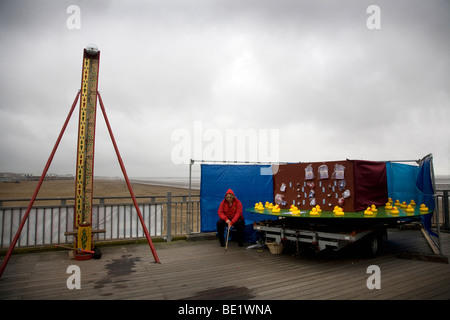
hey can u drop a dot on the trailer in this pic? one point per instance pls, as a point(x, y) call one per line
point(327, 231)
point(375, 239)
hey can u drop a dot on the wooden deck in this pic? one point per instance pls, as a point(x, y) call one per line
point(196, 270)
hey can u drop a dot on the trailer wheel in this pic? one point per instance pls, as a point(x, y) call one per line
point(376, 242)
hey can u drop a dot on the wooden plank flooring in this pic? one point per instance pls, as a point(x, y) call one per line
point(203, 270)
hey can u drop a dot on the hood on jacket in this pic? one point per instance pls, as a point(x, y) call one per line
point(229, 191)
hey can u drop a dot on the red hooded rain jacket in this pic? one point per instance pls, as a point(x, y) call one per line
point(233, 211)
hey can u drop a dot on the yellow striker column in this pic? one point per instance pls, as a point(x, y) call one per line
point(85, 153)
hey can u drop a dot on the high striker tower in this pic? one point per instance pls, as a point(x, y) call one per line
point(85, 152)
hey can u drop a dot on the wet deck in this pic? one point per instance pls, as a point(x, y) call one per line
point(203, 270)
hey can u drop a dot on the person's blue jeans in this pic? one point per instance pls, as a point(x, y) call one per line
point(239, 227)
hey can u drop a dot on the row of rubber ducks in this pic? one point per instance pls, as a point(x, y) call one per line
point(315, 211)
point(338, 211)
point(269, 206)
point(275, 208)
point(409, 208)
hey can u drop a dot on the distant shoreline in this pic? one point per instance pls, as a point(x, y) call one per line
point(176, 183)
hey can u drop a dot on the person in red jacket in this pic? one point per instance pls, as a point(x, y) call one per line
point(230, 214)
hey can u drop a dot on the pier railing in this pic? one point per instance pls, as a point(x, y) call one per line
point(50, 221)
point(443, 203)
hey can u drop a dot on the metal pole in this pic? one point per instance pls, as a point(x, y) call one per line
point(169, 217)
point(228, 235)
point(189, 211)
point(147, 235)
point(38, 187)
point(446, 210)
point(436, 203)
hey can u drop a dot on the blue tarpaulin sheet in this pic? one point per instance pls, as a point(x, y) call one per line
point(250, 184)
point(401, 180)
point(407, 182)
point(425, 185)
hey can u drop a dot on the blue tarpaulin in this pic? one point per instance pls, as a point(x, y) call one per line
point(401, 179)
point(250, 183)
point(408, 182)
point(425, 185)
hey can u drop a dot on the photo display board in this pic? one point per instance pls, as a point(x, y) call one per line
point(327, 184)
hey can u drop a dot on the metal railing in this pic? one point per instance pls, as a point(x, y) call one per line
point(165, 216)
point(443, 208)
point(50, 221)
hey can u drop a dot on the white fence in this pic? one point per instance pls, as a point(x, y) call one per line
point(48, 225)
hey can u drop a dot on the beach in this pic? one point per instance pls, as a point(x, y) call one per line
point(103, 187)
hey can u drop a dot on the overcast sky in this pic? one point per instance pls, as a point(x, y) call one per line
point(317, 75)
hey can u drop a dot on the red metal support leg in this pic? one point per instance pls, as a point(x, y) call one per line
point(38, 187)
point(147, 235)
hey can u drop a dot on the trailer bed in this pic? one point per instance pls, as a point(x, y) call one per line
point(327, 230)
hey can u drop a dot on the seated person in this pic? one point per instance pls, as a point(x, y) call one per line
point(230, 214)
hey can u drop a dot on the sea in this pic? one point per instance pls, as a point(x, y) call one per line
point(442, 182)
point(176, 182)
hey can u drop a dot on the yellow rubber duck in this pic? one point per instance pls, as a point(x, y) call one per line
point(314, 212)
point(388, 206)
point(368, 212)
point(318, 209)
point(423, 207)
point(404, 205)
point(259, 206)
point(397, 203)
point(410, 209)
point(373, 208)
point(338, 211)
point(394, 210)
point(269, 206)
point(390, 200)
point(276, 209)
point(294, 210)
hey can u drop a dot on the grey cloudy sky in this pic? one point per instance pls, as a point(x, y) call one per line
point(310, 70)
